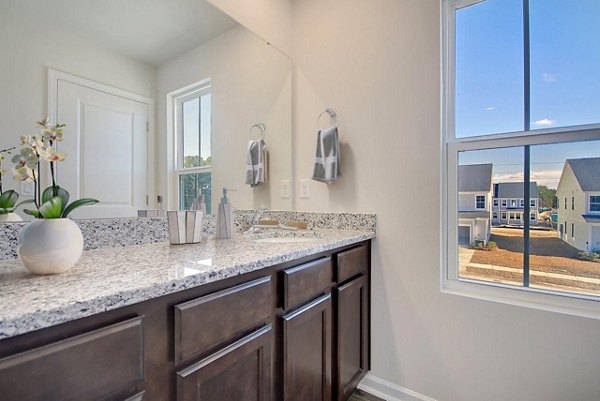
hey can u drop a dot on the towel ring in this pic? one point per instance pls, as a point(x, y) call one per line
point(332, 114)
point(262, 129)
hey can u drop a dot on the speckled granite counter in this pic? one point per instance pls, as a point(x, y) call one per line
point(110, 278)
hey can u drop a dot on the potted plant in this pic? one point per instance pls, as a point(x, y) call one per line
point(52, 243)
point(9, 198)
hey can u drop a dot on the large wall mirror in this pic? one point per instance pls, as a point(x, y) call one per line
point(161, 100)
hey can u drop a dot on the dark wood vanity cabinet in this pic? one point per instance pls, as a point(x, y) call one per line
point(307, 352)
point(241, 371)
point(293, 332)
point(352, 329)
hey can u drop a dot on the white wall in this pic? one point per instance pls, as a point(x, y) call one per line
point(378, 64)
point(28, 49)
point(251, 83)
point(270, 19)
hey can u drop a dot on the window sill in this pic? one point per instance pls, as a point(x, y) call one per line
point(575, 305)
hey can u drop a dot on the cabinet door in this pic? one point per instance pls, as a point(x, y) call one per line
point(307, 352)
point(352, 350)
point(241, 371)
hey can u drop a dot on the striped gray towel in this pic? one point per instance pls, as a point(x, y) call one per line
point(256, 163)
point(327, 160)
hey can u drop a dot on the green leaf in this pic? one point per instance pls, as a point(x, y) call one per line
point(33, 213)
point(6, 210)
point(52, 208)
point(8, 199)
point(26, 201)
point(78, 203)
point(63, 194)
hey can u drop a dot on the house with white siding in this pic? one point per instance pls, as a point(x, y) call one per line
point(474, 203)
point(578, 195)
point(508, 204)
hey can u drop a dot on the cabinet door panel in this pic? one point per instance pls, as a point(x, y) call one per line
point(307, 336)
point(91, 366)
point(352, 353)
point(241, 371)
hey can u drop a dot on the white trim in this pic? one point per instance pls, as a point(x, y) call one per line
point(54, 76)
point(390, 391)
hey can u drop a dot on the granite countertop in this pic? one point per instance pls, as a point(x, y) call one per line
point(110, 278)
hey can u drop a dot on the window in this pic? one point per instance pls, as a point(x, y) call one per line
point(480, 202)
point(193, 147)
point(495, 202)
point(594, 203)
point(503, 215)
point(572, 203)
point(573, 230)
point(495, 215)
point(509, 104)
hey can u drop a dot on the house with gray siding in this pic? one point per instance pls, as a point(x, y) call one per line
point(474, 203)
point(508, 203)
point(578, 195)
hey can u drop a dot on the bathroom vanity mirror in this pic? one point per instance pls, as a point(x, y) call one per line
point(159, 99)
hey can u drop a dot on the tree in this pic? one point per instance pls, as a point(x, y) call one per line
point(547, 196)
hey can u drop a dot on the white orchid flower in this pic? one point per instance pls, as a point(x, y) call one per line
point(37, 144)
point(25, 139)
point(53, 134)
point(44, 123)
point(51, 155)
point(25, 158)
point(23, 173)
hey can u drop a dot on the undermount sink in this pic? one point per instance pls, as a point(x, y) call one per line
point(285, 240)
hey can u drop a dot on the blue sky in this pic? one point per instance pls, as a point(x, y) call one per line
point(192, 137)
point(565, 78)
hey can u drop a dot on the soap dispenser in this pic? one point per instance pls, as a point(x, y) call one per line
point(224, 218)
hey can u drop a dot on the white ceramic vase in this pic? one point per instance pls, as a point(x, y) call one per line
point(10, 218)
point(50, 246)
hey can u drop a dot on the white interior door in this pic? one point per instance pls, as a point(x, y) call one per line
point(106, 145)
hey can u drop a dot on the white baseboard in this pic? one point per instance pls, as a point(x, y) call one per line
point(389, 391)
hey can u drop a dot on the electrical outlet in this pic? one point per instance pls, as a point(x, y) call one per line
point(285, 189)
point(26, 188)
point(305, 188)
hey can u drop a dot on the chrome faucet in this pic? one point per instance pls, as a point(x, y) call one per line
point(255, 217)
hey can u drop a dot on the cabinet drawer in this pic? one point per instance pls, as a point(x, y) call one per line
point(304, 282)
point(352, 263)
point(215, 319)
point(91, 366)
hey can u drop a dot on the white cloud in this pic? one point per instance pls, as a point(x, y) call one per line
point(490, 108)
point(549, 77)
point(549, 178)
point(545, 122)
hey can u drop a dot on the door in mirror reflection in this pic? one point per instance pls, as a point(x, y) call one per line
point(106, 145)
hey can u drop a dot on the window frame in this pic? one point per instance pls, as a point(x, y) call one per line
point(450, 146)
point(594, 203)
point(477, 202)
point(175, 139)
